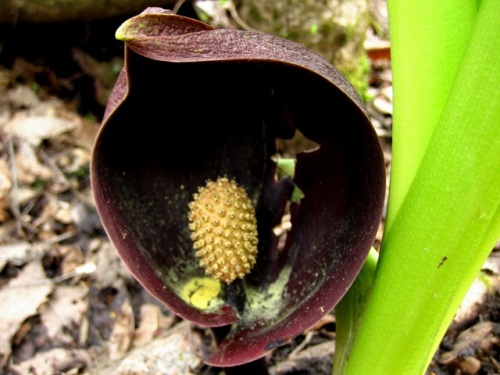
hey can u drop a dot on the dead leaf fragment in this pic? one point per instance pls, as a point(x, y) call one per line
point(122, 332)
point(151, 323)
point(316, 359)
point(19, 300)
point(34, 129)
point(470, 365)
point(55, 361)
point(28, 166)
point(480, 336)
point(492, 264)
point(17, 253)
point(469, 308)
point(64, 312)
point(176, 353)
point(22, 96)
point(5, 180)
point(148, 324)
point(383, 102)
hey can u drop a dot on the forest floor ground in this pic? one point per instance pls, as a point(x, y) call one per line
point(68, 304)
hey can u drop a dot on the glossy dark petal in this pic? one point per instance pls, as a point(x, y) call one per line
point(194, 103)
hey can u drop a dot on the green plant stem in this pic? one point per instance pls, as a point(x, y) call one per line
point(428, 39)
point(348, 311)
point(447, 224)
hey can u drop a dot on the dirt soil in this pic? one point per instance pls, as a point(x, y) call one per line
point(67, 303)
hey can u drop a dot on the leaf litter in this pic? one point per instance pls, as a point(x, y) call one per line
point(68, 304)
point(31, 284)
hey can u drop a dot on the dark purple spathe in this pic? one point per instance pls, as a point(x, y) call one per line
point(194, 103)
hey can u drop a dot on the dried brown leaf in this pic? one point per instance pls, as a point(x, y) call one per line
point(109, 266)
point(480, 336)
point(5, 186)
point(122, 332)
point(5, 180)
point(28, 166)
point(471, 304)
point(151, 322)
point(492, 264)
point(35, 129)
point(17, 253)
point(64, 312)
point(176, 353)
point(55, 361)
point(22, 96)
point(19, 300)
point(316, 359)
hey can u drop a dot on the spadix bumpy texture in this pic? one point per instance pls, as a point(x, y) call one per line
point(223, 229)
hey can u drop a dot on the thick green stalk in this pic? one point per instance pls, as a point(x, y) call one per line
point(348, 311)
point(428, 39)
point(447, 224)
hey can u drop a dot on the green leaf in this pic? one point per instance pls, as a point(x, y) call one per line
point(447, 224)
point(428, 39)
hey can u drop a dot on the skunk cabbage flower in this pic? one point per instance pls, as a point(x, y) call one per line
point(184, 175)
